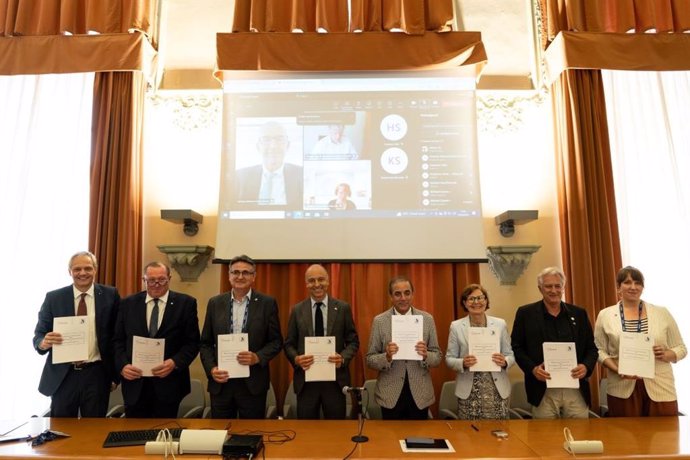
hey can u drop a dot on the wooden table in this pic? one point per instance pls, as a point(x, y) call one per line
point(666, 437)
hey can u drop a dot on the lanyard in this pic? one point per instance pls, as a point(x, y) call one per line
point(639, 316)
point(244, 320)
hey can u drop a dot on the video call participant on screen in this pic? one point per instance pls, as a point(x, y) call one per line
point(632, 395)
point(242, 310)
point(335, 145)
point(404, 389)
point(157, 313)
point(334, 318)
point(79, 388)
point(274, 182)
point(552, 320)
point(341, 201)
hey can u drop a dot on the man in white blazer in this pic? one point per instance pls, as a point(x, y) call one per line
point(404, 389)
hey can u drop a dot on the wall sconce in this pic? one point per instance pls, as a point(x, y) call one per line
point(509, 262)
point(188, 261)
point(187, 217)
point(509, 219)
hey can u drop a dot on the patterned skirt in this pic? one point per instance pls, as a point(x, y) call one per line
point(484, 401)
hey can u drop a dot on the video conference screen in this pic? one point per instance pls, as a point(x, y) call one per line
point(356, 167)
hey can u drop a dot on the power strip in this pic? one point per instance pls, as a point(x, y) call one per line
point(584, 447)
point(159, 447)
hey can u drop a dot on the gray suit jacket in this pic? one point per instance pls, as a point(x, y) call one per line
point(391, 376)
point(340, 325)
point(265, 338)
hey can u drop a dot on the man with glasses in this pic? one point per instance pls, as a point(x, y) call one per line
point(242, 310)
point(273, 182)
point(324, 316)
point(83, 387)
point(552, 320)
point(157, 313)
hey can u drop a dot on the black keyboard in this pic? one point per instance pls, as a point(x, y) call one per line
point(136, 437)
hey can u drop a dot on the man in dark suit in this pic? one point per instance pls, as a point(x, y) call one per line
point(336, 321)
point(552, 320)
point(80, 387)
point(273, 182)
point(157, 312)
point(242, 310)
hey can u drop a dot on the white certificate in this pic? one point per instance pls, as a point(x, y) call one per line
point(229, 346)
point(147, 353)
point(482, 343)
point(560, 359)
point(636, 355)
point(75, 339)
point(320, 348)
point(406, 331)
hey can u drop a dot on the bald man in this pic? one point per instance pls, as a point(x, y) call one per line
point(314, 398)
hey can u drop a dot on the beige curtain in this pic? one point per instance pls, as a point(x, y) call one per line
point(116, 217)
point(409, 16)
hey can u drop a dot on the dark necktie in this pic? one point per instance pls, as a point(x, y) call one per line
point(153, 324)
point(81, 308)
point(318, 320)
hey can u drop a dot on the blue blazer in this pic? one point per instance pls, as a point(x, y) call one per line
point(458, 348)
point(59, 303)
point(180, 329)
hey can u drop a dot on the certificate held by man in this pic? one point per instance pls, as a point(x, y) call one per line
point(320, 348)
point(406, 331)
point(75, 343)
point(147, 353)
point(229, 346)
point(560, 359)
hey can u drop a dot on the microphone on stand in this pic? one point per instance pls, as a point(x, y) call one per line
point(360, 420)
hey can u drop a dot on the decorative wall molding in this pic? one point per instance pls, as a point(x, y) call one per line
point(191, 110)
point(509, 262)
point(504, 112)
point(189, 261)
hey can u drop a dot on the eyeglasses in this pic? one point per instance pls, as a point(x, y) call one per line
point(238, 273)
point(478, 298)
point(156, 281)
point(42, 438)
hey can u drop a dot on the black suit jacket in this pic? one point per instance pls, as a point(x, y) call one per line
point(528, 337)
point(180, 329)
point(340, 325)
point(248, 184)
point(265, 338)
point(60, 303)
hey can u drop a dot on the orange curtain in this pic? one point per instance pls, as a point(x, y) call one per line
point(410, 16)
point(587, 205)
point(116, 217)
point(619, 16)
point(55, 17)
point(363, 285)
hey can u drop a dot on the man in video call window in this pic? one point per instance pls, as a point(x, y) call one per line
point(274, 182)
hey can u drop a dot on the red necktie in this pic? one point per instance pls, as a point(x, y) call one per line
point(81, 308)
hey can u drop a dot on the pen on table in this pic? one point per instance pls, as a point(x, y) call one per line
point(474, 427)
point(449, 426)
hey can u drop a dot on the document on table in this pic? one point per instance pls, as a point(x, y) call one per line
point(636, 355)
point(560, 359)
point(147, 353)
point(229, 346)
point(406, 331)
point(75, 339)
point(320, 348)
point(482, 343)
